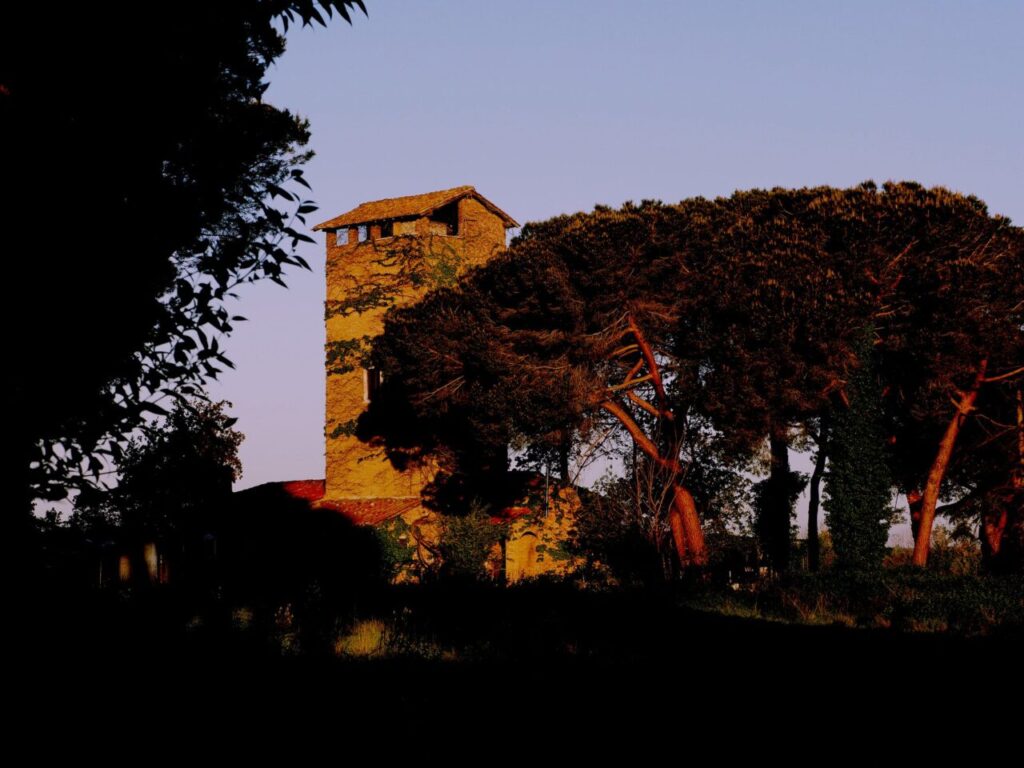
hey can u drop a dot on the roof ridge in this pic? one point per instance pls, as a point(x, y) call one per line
point(409, 206)
point(460, 188)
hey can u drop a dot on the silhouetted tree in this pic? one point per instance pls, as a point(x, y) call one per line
point(175, 183)
point(173, 481)
point(821, 439)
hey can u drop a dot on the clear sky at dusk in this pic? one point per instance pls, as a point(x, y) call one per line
point(552, 107)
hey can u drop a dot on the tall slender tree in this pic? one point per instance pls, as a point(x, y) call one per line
point(859, 483)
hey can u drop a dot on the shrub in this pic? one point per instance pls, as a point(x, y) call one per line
point(467, 541)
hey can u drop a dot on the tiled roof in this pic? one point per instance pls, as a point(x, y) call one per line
point(310, 490)
point(370, 511)
point(509, 514)
point(358, 511)
point(410, 206)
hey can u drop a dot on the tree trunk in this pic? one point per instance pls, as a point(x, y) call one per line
point(683, 519)
point(564, 447)
point(694, 552)
point(693, 548)
point(1001, 534)
point(813, 544)
point(993, 526)
point(675, 524)
point(778, 502)
point(930, 497)
point(1018, 476)
point(914, 499)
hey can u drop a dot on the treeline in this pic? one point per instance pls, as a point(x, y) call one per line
point(880, 327)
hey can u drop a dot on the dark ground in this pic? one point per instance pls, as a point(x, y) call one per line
point(602, 667)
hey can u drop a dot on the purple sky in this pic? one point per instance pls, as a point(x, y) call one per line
point(551, 107)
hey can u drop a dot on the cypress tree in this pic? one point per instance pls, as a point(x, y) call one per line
point(859, 483)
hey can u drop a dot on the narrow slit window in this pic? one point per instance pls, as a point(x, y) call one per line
point(364, 233)
point(372, 379)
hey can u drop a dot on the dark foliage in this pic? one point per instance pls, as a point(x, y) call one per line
point(467, 541)
point(175, 480)
point(859, 483)
point(177, 182)
point(753, 306)
point(617, 538)
point(774, 500)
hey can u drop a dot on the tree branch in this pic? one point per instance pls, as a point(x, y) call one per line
point(629, 384)
point(633, 371)
point(639, 401)
point(1001, 377)
point(643, 442)
point(652, 365)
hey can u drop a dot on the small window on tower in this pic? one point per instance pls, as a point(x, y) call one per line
point(372, 379)
point(341, 236)
point(445, 220)
point(387, 229)
point(364, 233)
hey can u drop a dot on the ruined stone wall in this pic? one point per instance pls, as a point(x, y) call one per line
point(537, 543)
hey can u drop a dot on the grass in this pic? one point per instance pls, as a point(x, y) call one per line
point(901, 599)
point(550, 621)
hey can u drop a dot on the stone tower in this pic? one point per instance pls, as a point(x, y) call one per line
point(370, 252)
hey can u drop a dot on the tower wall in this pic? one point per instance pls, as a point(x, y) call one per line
point(357, 469)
